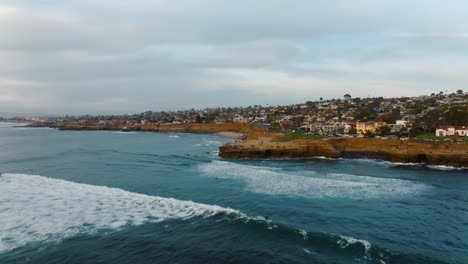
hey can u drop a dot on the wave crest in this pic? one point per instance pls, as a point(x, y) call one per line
point(36, 208)
point(311, 184)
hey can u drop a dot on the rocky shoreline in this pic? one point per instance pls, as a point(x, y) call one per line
point(259, 144)
point(238, 131)
point(430, 153)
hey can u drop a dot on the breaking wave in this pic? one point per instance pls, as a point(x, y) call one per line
point(36, 208)
point(40, 209)
point(276, 182)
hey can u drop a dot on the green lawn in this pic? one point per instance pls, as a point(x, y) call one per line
point(434, 137)
point(294, 136)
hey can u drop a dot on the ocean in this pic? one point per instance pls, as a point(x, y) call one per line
point(115, 197)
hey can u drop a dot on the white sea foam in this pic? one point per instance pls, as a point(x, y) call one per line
point(123, 132)
point(210, 143)
point(345, 241)
point(35, 208)
point(310, 184)
point(446, 168)
point(10, 124)
point(303, 233)
point(409, 164)
point(174, 136)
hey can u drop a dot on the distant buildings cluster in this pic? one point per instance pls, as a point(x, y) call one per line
point(444, 114)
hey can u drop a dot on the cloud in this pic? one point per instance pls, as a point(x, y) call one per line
point(121, 56)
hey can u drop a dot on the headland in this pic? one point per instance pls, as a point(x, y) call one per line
point(237, 131)
point(258, 144)
point(393, 150)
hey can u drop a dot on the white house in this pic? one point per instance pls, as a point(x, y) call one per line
point(461, 131)
point(400, 123)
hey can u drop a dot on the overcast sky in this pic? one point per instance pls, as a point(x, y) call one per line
point(122, 56)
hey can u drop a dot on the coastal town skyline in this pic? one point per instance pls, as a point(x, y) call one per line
point(102, 57)
point(397, 116)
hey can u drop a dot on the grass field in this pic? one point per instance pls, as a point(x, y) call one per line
point(295, 136)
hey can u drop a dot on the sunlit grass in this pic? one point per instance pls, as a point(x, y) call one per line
point(295, 136)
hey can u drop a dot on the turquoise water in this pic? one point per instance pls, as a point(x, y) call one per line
point(109, 197)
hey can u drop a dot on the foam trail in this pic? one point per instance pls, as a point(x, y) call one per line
point(35, 208)
point(210, 143)
point(123, 132)
point(390, 164)
point(345, 241)
point(272, 181)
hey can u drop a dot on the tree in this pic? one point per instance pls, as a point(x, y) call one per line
point(298, 120)
point(347, 96)
point(456, 115)
point(403, 132)
point(385, 130)
point(352, 131)
point(198, 119)
point(369, 133)
point(414, 131)
point(459, 91)
point(321, 98)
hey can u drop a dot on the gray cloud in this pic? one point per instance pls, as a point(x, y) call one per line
point(121, 56)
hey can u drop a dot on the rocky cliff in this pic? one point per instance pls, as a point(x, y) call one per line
point(246, 129)
point(433, 153)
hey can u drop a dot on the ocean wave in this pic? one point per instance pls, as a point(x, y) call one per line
point(36, 208)
point(409, 165)
point(311, 184)
point(346, 241)
point(174, 136)
point(40, 209)
point(347, 248)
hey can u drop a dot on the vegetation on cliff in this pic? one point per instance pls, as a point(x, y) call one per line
point(295, 136)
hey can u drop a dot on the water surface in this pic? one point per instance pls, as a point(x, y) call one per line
point(113, 197)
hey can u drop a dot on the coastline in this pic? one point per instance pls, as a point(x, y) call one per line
point(237, 131)
point(258, 144)
point(420, 152)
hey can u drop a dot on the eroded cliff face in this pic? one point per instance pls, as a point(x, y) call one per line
point(249, 149)
point(433, 153)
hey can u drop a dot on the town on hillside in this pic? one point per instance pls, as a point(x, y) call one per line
point(439, 114)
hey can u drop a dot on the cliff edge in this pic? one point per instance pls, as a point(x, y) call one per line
point(431, 153)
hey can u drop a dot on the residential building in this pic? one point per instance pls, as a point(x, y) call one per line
point(461, 131)
point(371, 126)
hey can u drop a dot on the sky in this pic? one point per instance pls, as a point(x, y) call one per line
point(120, 56)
